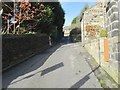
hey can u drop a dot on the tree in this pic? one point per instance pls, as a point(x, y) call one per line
point(15, 13)
point(58, 17)
point(7, 15)
point(75, 35)
point(43, 17)
point(74, 20)
point(86, 6)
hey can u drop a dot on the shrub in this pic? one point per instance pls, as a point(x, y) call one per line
point(17, 47)
point(103, 33)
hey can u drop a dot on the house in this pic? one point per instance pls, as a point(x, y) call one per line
point(105, 50)
point(66, 30)
point(113, 29)
point(93, 17)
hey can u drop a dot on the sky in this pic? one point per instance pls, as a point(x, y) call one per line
point(72, 9)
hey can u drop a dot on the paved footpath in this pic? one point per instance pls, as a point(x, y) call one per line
point(62, 66)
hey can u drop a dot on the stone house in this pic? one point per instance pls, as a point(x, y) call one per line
point(113, 29)
point(94, 16)
point(106, 50)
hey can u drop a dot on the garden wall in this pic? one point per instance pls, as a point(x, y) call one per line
point(112, 65)
point(16, 48)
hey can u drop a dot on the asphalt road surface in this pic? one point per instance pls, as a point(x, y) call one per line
point(62, 66)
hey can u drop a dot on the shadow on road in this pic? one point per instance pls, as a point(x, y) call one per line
point(83, 80)
point(50, 69)
point(43, 72)
point(31, 65)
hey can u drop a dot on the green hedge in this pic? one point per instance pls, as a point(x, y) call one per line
point(17, 47)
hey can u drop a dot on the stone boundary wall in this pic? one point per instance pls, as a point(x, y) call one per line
point(16, 48)
point(112, 66)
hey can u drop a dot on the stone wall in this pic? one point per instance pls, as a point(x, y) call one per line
point(112, 23)
point(119, 42)
point(16, 48)
point(111, 67)
point(93, 48)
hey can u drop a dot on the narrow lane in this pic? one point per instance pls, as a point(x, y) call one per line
point(62, 66)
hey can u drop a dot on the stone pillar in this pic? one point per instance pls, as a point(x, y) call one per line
point(119, 43)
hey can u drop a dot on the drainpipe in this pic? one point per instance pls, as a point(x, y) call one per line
point(83, 32)
point(99, 51)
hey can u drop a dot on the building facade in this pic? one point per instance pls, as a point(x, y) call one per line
point(113, 29)
point(66, 31)
point(105, 50)
point(112, 18)
point(93, 18)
